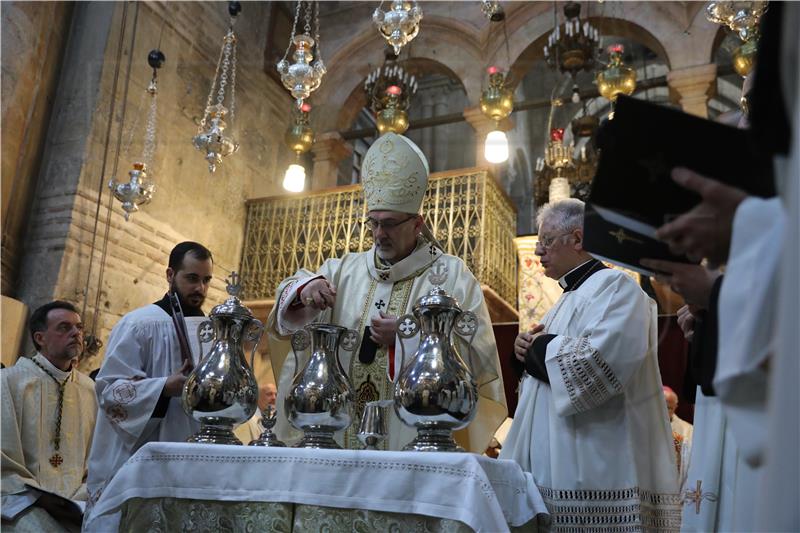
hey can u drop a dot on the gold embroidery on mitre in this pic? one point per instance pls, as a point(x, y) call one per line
point(394, 175)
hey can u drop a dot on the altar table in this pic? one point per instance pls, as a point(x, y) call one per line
point(168, 486)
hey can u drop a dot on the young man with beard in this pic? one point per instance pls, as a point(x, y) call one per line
point(146, 364)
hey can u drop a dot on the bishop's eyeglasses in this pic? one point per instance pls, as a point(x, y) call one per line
point(388, 224)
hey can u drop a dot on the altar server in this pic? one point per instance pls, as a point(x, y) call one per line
point(150, 352)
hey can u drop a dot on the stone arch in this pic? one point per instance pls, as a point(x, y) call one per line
point(719, 37)
point(607, 26)
point(357, 99)
point(678, 33)
point(364, 52)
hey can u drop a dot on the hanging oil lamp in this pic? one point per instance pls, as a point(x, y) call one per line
point(304, 75)
point(400, 24)
point(211, 136)
point(298, 138)
point(138, 190)
point(616, 78)
point(497, 102)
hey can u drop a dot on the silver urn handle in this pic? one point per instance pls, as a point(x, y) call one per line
point(301, 340)
point(350, 340)
point(466, 326)
point(205, 334)
point(253, 333)
point(407, 327)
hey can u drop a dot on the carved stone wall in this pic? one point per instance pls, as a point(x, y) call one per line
point(64, 241)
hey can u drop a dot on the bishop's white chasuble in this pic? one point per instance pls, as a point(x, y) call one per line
point(30, 407)
point(364, 289)
point(597, 438)
point(142, 352)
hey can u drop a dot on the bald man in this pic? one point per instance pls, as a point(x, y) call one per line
point(251, 430)
point(681, 433)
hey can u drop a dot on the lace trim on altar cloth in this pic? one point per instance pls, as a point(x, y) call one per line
point(485, 487)
point(587, 377)
point(613, 511)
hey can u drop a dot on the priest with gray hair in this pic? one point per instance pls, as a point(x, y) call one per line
point(591, 424)
point(367, 291)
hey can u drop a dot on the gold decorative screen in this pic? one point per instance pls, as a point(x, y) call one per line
point(465, 209)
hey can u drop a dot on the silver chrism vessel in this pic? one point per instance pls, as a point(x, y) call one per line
point(435, 390)
point(267, 437)
point(319, 402)
point(221, 392)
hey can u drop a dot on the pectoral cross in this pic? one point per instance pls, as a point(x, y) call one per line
point(56, 460)
point(697, 496)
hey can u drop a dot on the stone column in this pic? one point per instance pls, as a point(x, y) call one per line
point(427, 133)
point(441, 136)
point(691, 86)
point(482, 126)
point(329, 150)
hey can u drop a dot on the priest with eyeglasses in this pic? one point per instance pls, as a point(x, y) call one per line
point(367, 291)
point(591, 424)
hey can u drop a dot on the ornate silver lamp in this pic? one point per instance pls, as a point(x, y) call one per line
point(742, 18)
point(492, 10)
point(139, 189)
point(304, 75)
point(400, 24)
point(211, 136)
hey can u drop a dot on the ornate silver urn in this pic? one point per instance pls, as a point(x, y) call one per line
point(221, 391)
point(435, 390)
point(320, 400)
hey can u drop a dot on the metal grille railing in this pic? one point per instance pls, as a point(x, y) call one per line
point(465, 209)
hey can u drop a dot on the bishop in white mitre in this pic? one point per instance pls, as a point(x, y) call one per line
point(366, 292)
point(591, 424)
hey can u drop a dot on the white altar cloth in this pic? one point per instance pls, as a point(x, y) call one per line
point(486, 494)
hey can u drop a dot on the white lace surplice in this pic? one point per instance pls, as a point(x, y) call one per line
point(597, 438)
point(142, 352)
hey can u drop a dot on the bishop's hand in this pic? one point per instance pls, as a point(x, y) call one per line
point(525, 341)
point(383, 329)
point(318, 294)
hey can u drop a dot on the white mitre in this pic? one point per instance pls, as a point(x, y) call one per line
point(394, 175)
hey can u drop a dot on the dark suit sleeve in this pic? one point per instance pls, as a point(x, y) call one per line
point(534, 359)
point(703, 348)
